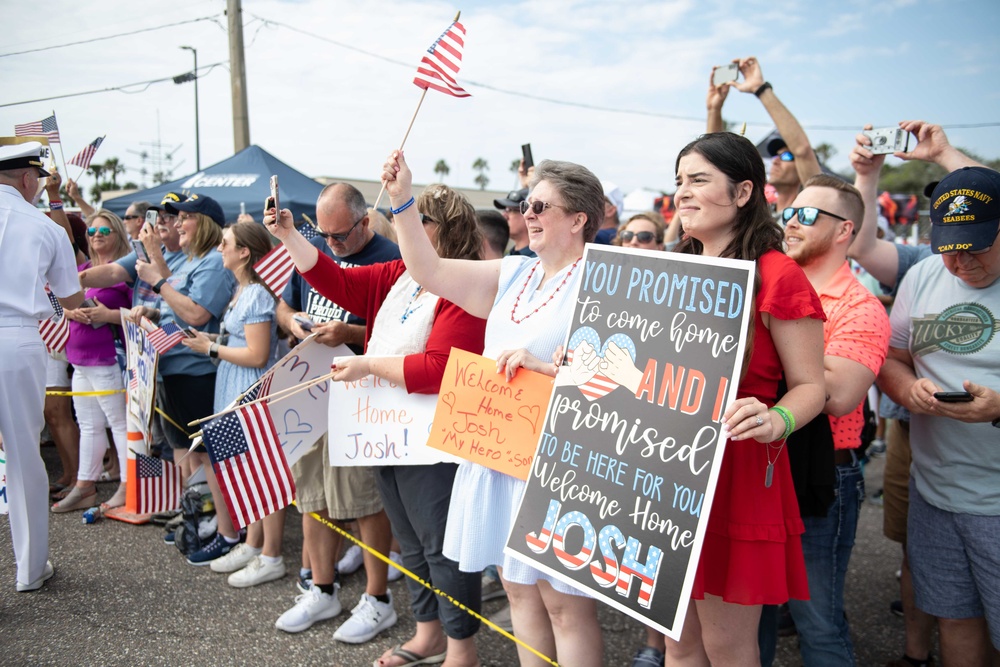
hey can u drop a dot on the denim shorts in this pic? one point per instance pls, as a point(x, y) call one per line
point(955, 561)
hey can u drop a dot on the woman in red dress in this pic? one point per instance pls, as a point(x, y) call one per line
point(752, 554)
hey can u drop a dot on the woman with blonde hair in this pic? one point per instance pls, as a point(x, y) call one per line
point(93, 329)
point(246, 347)
point(194, 296)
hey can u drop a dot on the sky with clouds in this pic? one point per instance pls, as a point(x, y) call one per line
point(618, 86)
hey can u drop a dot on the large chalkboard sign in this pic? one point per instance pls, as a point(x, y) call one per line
point(618, 497)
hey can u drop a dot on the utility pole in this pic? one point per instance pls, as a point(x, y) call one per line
point(238, 76)
point(197, 128)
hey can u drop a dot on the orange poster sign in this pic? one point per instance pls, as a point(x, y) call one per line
point(485, 419)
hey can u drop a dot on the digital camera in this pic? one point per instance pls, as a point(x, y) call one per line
point(888, 140)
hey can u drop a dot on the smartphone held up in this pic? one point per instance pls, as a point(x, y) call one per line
point(725, 74)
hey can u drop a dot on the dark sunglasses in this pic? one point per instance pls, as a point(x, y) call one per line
point(538, 207)
point(641, 237)
point(807, 215)
point(131, 217)
point(103, 231)
point(340, 238)
point(786, 156)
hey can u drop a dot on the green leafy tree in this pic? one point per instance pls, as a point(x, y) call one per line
point(481, 166)
point(515, 165)
point(442, 169)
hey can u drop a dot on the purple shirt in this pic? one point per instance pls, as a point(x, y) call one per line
point(96, 347)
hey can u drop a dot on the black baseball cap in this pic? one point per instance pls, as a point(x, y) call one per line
point(965, 210)
point(776, 146)
point(513, 200)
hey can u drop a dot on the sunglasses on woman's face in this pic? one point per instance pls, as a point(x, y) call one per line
point(537, 207)
point(641, 237)
point(103, 231)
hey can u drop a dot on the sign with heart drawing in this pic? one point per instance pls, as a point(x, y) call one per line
point(485, 419)
point(630, 445)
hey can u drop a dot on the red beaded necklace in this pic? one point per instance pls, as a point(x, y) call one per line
point(517, 301)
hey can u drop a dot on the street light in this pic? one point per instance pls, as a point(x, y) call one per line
point(197, 133)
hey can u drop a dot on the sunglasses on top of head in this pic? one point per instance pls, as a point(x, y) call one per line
point(641, 237)
point(103, 231)
point(806, 214)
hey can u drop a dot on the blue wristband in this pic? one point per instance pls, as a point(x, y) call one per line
point(403, 207)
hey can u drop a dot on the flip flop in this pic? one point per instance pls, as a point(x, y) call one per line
point(413, 659)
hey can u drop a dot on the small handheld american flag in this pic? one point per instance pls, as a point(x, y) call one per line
point(166, 337)
point(275, 269)
point(83, 158)
point(46, 127)
point(437, 69)
point(159, 485)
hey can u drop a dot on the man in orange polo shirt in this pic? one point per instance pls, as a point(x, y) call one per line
point(819, 228)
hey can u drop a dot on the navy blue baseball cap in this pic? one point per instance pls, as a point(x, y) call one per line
point(965, 210)
point(201, 204)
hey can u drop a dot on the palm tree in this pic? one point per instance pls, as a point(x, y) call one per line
point(112, 169)
point(442, 169)
point(482, 166)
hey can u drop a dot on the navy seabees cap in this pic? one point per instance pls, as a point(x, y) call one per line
point(202, 204)
point(169, 199)
point(965, 210)
point(19, 156)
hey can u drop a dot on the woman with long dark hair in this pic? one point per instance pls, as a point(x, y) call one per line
point(752, 554)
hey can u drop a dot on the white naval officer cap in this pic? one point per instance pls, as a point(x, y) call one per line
point(19, 156)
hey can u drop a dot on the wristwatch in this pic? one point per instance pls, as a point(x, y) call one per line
point(213, 350)
point(159, 284)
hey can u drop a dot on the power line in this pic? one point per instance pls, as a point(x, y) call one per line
point(578, 105)
point(100, 39)
point(144, 84)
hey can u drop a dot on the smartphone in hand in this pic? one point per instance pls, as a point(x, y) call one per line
point(953, 396)
point(304, 322)
point(725, 74)
point(526, 156)
point(274, 196)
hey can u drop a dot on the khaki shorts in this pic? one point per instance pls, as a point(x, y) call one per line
point(345, 493)
point(896, 481)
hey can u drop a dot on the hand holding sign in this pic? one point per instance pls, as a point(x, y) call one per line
point(484, 418)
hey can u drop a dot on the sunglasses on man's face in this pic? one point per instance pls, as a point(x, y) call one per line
point(641, 237)
point(341, 238)
point(103, 231)
point(807, 215)
point(132, 217)
point(786, 156)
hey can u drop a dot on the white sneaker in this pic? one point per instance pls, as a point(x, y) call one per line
point(236, 559)
point(394, 572)
point(47, 573)
point(309, 608)
point(256, 572)
point(368, 618)
point(352, 561)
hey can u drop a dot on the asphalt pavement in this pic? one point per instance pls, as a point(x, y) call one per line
point(120, 596)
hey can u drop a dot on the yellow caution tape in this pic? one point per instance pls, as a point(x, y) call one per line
point(103, 392)
point(436, 591)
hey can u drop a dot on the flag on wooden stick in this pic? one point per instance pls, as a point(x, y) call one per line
point(83, 158)
point(437, 70)
point(46, 127)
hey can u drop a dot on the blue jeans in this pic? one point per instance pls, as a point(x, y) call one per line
point(824, 637)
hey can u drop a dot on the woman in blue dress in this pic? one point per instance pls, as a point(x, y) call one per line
point(245, 349)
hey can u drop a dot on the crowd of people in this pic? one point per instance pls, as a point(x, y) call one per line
point(441, 275)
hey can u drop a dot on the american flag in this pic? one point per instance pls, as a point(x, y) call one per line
point(46, 127)
point(260, 389)
point(54, 330)
point(133, 380)
point(275, 269)
point(165, 338)
point(307, 230)
point(248, 461)
point(159, 485)
point(83, 158)
point(438, 68)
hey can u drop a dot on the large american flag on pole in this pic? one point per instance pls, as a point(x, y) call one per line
point(165, 338)
point(54, 330)
point(159, 485)
point(275, 269)
point(437, 69)
point(46, 127)
point(249, 463)
point(83, 158)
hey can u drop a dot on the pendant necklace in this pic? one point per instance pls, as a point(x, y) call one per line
point(769, 475)
point(410, 309)
point(517, 301)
